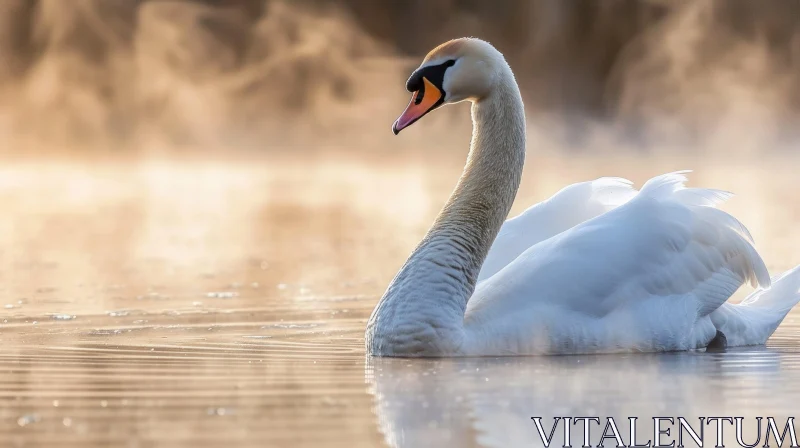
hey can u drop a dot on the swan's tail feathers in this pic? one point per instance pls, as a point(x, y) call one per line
point(752, 321)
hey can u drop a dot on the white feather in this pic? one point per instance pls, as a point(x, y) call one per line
point(651, 274)
point(753, 320)
point(569, 207)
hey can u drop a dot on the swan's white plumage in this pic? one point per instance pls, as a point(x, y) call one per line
point(598, 267)
point(646, 276)
point(752, 321)
point(567, 208)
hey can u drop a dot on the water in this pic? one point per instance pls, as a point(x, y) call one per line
point(223, 304)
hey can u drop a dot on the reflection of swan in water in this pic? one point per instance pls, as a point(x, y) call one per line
point(463, 402)
point(652, 274)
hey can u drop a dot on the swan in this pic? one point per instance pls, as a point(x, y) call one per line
point(598, 268)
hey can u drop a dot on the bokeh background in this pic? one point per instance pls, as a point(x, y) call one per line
point(135, 74)
point(203, 201)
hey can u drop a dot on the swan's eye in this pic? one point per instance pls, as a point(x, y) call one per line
point(434, 73)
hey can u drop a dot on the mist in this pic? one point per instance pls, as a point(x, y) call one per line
point(270, 75)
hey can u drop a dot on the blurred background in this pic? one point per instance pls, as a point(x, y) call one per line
point(203, 200)
point(133, 74)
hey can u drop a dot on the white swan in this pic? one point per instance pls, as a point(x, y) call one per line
point(653, 273)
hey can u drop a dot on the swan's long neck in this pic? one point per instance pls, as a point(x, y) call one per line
point(477, 208)
point(437, 280)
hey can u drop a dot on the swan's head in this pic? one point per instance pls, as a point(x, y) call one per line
point(458, 70)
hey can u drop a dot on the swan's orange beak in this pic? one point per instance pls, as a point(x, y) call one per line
point(422, 102)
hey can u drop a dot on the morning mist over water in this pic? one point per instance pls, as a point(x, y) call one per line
point(713, 75)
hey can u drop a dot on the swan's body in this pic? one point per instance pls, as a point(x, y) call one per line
point(597, 268)
point(567, 208)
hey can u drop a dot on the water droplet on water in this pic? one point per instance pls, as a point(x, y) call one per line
point(62, 316)
point(28, 419)
point(290, 326)
point(222, 295)
point(120, 313)
point(106, 332)
point(219, 411)
point(66, 421)
point(282, 286)
point(330, 401)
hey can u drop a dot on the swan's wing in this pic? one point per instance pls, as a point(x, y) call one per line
point(665, 259)
point(569, 207)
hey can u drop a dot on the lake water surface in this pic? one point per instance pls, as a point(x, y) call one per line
point(170, 304)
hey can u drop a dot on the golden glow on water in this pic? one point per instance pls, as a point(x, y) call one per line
point(189, 303)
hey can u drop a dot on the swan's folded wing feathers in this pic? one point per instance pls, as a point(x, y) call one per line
point(658, 245)
point(717, 258)
point(567, 208)
point(702, 196)
point(665, 185)
point(712, 226)
point(722, 219)
point(611, 191)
